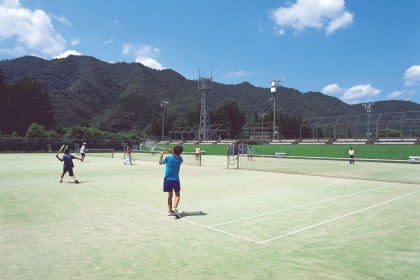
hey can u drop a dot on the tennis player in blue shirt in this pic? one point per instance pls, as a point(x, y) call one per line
point(171, 181)
point(68, 165)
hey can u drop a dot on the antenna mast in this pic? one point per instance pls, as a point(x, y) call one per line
point(204, 86)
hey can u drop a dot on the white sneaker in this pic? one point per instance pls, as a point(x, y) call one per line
point(176, 212)
point(171, 213)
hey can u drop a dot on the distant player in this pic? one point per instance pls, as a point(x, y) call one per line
point(197, 152)
point(83, 151)
point(153, 150)
point(127, 156)
point(250, 151)
point(67, 158)
point(171, 181)
point(351, 154)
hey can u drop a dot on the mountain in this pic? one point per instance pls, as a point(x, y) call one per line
point(120, 96)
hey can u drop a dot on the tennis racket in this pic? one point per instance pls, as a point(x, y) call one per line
point(62, 147)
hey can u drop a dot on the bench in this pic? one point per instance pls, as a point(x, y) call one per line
point(279, 154)
point(414, 159)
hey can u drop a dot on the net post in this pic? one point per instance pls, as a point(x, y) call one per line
point(228, 149)
point(238, 156)
point(199, 158)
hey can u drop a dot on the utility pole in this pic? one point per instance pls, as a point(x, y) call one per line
point(163, 116)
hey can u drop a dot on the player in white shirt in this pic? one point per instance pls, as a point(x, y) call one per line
point(351, 154)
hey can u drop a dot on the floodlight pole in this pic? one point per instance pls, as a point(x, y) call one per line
point(368, 107)
point(163, 116)
point(274, 85)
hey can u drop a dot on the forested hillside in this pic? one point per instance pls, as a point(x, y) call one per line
point(123, 96)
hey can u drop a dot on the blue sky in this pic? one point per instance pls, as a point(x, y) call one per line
point(358, 51)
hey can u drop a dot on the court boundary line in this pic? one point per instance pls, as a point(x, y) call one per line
point(337, 218)
point(163, 213)
point(271, 239)
point(303, 205)
point(11, 163)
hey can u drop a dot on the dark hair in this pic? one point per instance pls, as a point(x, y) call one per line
point(67, 150)
point(178, 150)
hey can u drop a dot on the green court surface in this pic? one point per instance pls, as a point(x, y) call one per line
point(237, 224)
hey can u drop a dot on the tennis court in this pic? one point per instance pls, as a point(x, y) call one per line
point(237, 224)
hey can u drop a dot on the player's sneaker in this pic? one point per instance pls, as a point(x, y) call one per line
point(171, 213)
point(61, 181)
point(77, 182)
point(176, 212)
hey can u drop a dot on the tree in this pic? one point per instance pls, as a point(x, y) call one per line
point(154, 128)
point(75, 132)
point(230, 116)
point(36, 131)
point(4, 105)
point(289, 127)
point(29, 102)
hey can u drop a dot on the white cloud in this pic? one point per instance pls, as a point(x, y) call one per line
point(360, 93)
point(31, 31)
point(109, 41)
point(260, 28)
point(401, 95)
point(144, 54)
point(15, 52)
point(236, 74)
point(66, 54)
point(281, 31)
point(74, 42)
point(343, 20)
point(332, 89)
point(63, 20)
point(320, 14)
point(412, 75)
point(396, 95)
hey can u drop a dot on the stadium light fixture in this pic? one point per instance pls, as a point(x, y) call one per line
point(274, 85)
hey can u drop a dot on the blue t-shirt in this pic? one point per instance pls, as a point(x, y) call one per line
point(173, 164)
point(68, 160)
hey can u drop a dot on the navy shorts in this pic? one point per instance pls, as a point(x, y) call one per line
point(70, 170)
point(171, 185)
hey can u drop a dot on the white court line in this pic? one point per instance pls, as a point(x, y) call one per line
point(336, 218)
point(303, 205)
point(21, 166)
point(183, 219)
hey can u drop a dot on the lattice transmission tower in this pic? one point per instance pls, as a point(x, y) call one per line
point(204, 86)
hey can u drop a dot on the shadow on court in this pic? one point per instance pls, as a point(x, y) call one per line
point(192, 213)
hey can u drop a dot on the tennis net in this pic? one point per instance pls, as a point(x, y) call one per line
point(188, 157)
point(400, 171)
point(100, 153)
